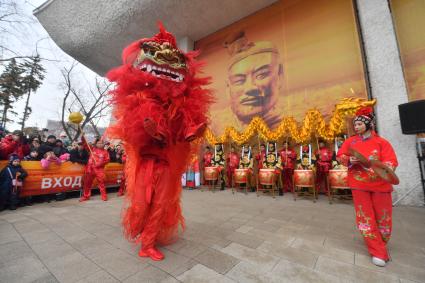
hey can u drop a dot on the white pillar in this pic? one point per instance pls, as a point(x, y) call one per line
point(389, 88)
point(186, 44)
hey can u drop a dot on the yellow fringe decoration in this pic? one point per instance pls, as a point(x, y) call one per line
point(313, 124)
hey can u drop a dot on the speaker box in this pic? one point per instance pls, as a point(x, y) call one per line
point(412, 117)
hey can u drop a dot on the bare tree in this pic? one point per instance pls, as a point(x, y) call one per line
point(92, 102)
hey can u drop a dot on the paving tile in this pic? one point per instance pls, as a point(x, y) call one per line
point(201, 273)
point(118, 263)
point(148, 274)
point(52, 249)
point(320, 249)
point(259, 258)
point(217, 260)
point(22, 270)
point(181, 268)
point(244, 229)
point(352, 272)
point(299, 256)
point(71, 267)
point(287, 271)
point(8, 234)
point(187, 248)
point(14, 250)
point(248, 273)
point(245, 239)
point(40, 236)
point(172, 262)
point(100, 276)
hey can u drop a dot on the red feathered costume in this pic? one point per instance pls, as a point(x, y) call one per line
point(160, 106)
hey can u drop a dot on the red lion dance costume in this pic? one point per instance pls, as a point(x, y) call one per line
point(160, 106)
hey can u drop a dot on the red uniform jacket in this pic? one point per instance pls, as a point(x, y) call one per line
point(373, 148)
point(324, 159)
point(261, 157)
point(207, 159)
point(288, 157)
point(99, 157)
point(9, 146)
point(232, 160)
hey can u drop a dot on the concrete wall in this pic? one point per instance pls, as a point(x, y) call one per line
point(389, 88)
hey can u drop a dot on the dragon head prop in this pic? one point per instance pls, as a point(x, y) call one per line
point(156, 65)
point(160, 57)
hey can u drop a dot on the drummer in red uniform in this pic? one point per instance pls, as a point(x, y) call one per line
point(207, 159)
point(371, 194)
point(218, 161)
point(232, 163)
point(323, 165)
point(246, 162)
point(288, 157)
point(273, 161)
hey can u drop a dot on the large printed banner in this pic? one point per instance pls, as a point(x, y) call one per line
point(61, 178)
point(409, 21)
point(290, 57)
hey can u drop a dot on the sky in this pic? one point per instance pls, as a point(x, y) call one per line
point(46, 102)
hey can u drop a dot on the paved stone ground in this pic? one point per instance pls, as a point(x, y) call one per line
point(229, 238)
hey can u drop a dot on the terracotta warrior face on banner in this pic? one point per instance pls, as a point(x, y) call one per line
point(254, 79)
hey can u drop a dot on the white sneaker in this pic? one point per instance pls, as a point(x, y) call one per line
point(378, 262)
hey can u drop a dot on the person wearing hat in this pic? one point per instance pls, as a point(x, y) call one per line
point(247, 162)
point(371, 194)
point(254, 82)
point(47, 146)
point(11, 178)
point(323, 165)
point(14, 144)
point(232, 163)
point(273, 161)
point(218, 161)
point(288, 156)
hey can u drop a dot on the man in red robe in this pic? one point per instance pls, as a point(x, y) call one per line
point(206, 160)
point(323, 165)
point(288, 157)
point(371, 194)
point(95, 169)
point(232, 163)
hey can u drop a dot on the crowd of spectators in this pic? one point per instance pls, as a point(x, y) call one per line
point(17, 147)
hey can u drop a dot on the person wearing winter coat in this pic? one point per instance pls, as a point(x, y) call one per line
point(11, 181)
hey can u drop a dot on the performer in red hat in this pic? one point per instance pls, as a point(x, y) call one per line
point(160, 106)
point(323, 165)
point(371, 193)
point(288, 157)
point(232, 163)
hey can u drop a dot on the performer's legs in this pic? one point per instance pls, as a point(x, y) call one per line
point(382, 204)
point(88, 182)
point(122, 186)
point(156, 212)
point(367, 223)
point(100, 176)
point(229, 173)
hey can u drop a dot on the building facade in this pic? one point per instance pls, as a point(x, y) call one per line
point(315, 53)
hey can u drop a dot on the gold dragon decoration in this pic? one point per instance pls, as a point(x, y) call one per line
point(313, 125)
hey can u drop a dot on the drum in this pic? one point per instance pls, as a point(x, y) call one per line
point(241, 176)
point(211, 173)
point(304, 178)
point(267, 177)
point(338, 179)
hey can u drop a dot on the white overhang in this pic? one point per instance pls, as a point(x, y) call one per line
point(94, 32)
